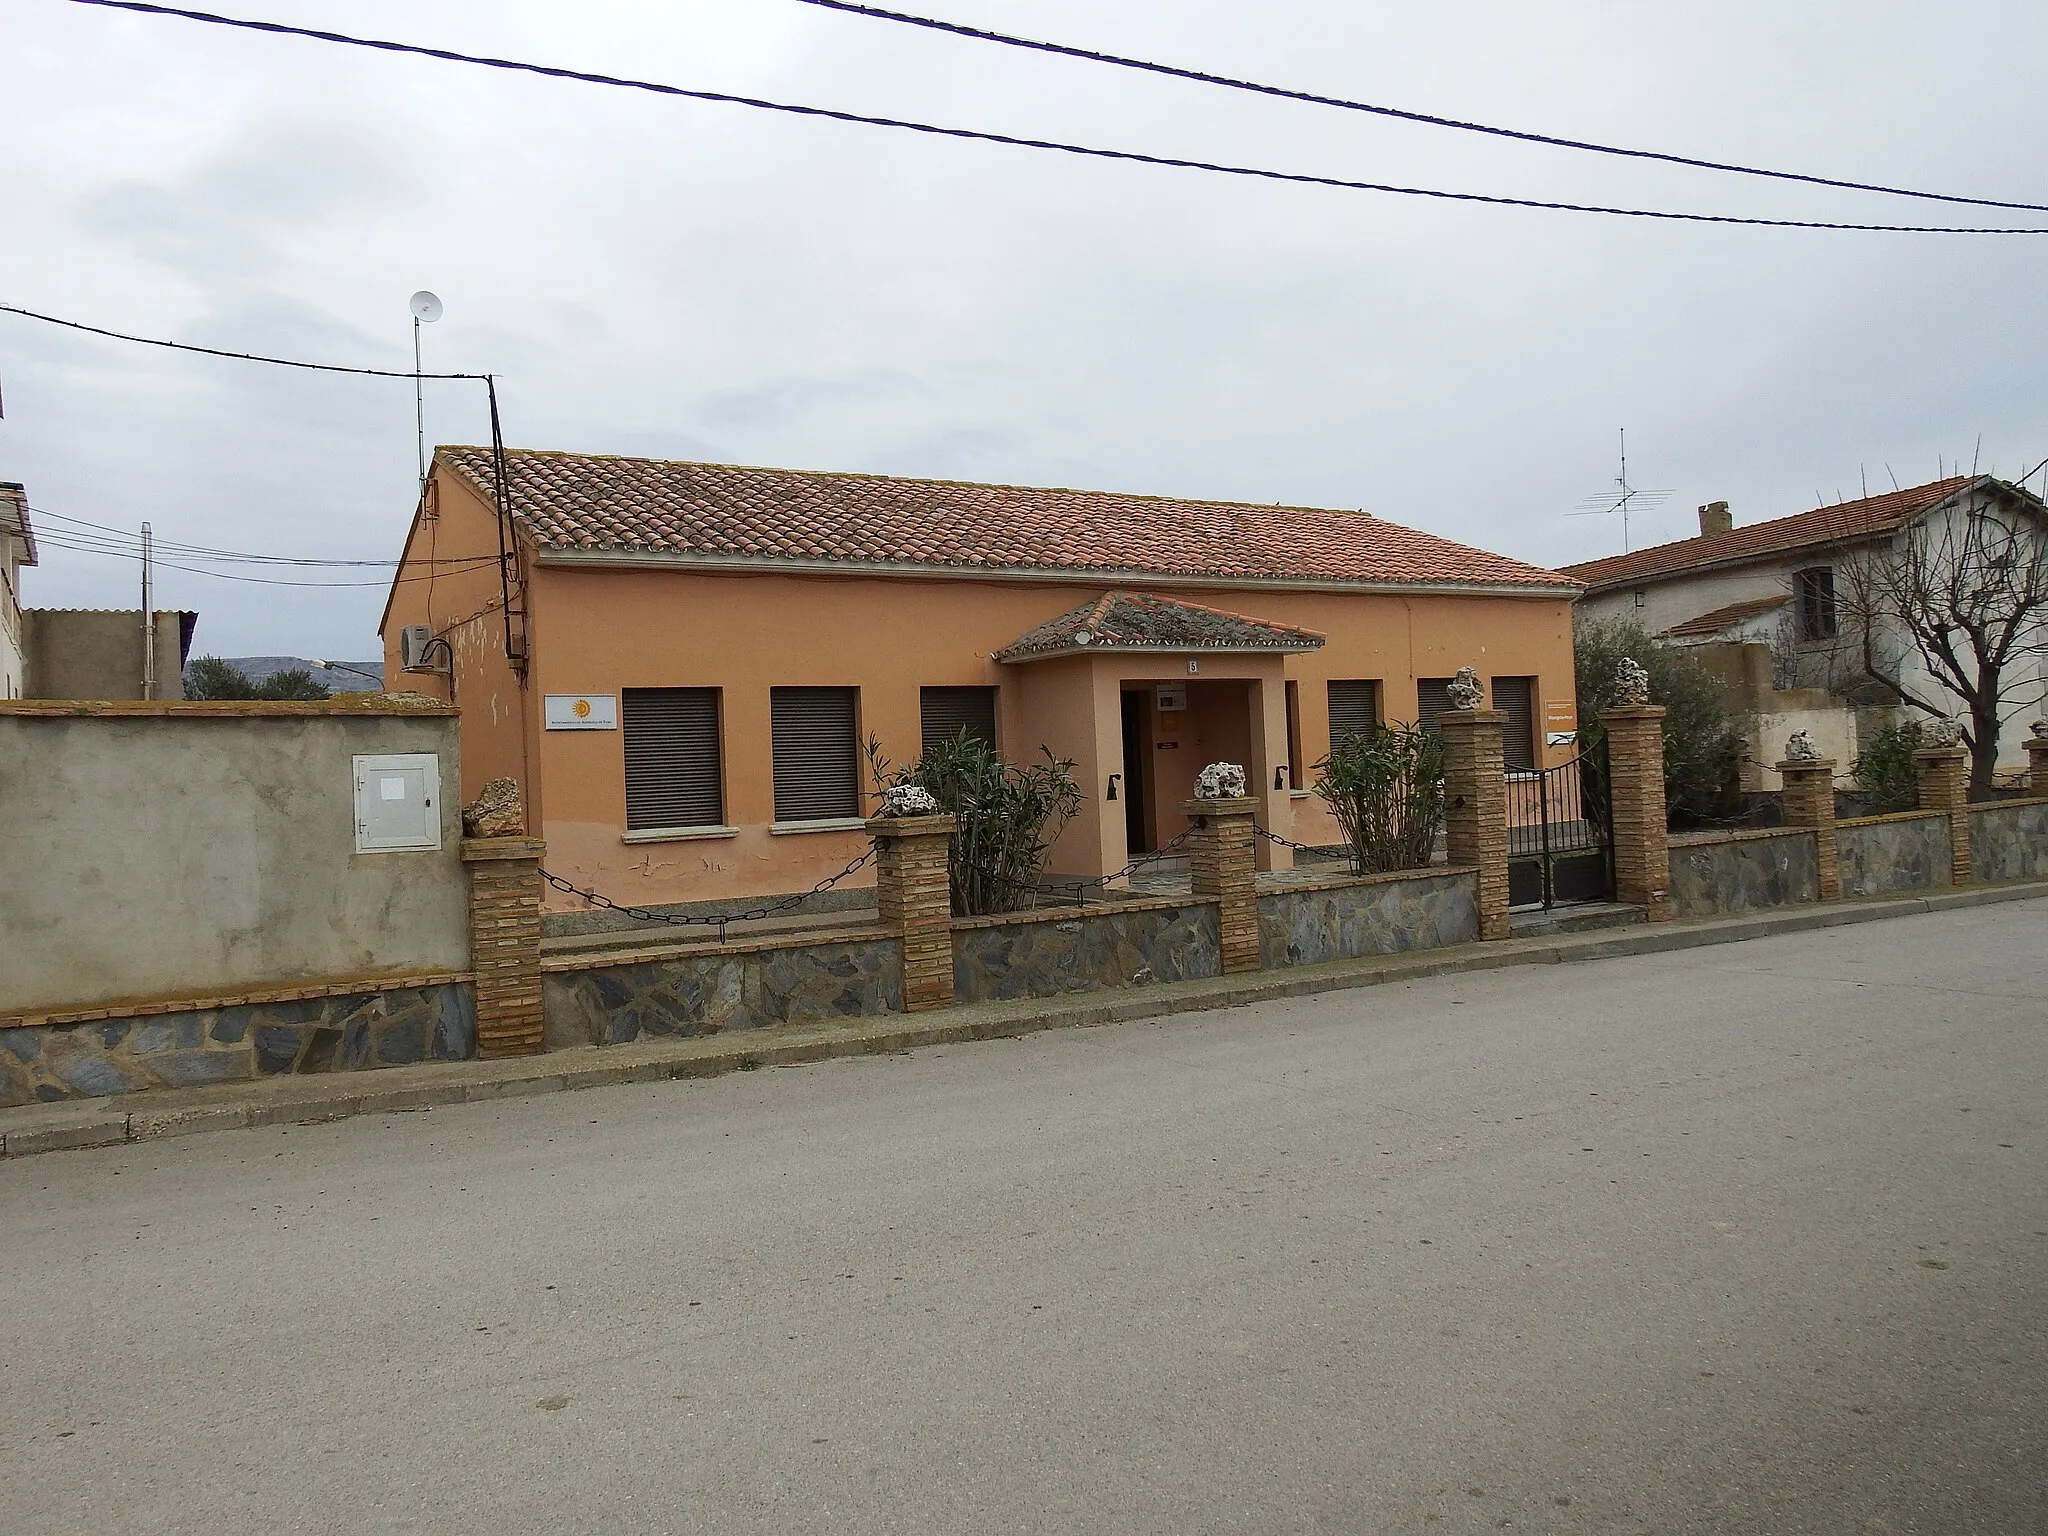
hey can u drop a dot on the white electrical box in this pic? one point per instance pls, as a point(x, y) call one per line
point(398, 803)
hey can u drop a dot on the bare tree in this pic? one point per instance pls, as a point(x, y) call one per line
point(1951, 611)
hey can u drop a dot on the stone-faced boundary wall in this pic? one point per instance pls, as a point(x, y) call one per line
point(1907, 851)
point(1345, 918)
point(1080, 949)
point(2009, 839)
point(1714, 873)
point(703, 987)
point(342, 1027)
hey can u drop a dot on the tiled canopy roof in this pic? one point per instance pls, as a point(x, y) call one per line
point(585, 504)
point(1723, 618)
point(1782, 535)
point(1133, 621)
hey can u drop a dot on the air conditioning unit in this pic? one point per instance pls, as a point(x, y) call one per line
point(416, 647)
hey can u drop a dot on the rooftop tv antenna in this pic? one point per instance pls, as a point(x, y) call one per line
point(1624, 498)
point(426, 309)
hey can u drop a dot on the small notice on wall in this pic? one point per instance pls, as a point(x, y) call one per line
point(580, 712)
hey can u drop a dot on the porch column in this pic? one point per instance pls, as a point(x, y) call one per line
point(1810, 802)
point(1220, 869)
point(1642, 846)
point(1476, 807)
point(2037, 759)
point(914, 894)
point(504, 943)
point(1945, 787)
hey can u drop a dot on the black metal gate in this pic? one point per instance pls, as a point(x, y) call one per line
point(1560, 847)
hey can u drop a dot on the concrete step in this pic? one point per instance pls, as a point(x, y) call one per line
point(1581, 918)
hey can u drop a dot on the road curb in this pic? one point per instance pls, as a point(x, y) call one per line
point(78, 1123)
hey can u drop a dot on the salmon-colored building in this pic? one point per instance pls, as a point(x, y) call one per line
point(681, 663)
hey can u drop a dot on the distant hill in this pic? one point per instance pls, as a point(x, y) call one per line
point(257, 668)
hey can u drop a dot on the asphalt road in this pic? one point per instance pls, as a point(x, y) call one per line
point(1752, 1238)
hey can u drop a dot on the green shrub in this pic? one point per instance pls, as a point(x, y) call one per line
point(1885, 771)
point(1701, 747)
point(1008, 816)
point(1386, 788)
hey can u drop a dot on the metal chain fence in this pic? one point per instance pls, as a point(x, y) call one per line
point(718, 920)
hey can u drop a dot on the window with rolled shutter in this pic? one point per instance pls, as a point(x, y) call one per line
point(674, 776)
point(1354, 708)
point(1432, 698)
point(1515, 697)
point(949, 711)
point(817, 753)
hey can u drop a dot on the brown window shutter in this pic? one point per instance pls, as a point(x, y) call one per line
point(949, 711)
point(1354, 708)
point(1515, 697)
point(674, 776)
point(1433, 697)
point(817, 772)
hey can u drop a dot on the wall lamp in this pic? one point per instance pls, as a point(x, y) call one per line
point(1280, 777)
point(1112, 786)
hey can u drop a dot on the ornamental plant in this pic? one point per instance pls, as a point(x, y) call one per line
point(1885, 772)
point(1386, 788)
point(1007, 816)
point(1701, 746)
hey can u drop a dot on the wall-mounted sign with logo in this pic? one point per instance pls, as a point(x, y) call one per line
point(581, 712)
point(1167, 696)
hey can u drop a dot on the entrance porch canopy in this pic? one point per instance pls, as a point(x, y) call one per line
point(1088, 687)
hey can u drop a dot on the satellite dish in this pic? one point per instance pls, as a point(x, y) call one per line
point(426, 306)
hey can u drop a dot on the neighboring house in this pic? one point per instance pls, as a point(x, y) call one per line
point(699, 652)
point(1777, 612)
point(98, 653)
point(17, 549)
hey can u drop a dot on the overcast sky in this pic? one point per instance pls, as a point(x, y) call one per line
point(688, 280)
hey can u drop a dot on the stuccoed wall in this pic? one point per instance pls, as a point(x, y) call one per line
point(167, 850)
point(1717, 873)
point(39, 1063)
point(707, 991)
point(995, 960)
point(1377, 915)
point(2010, 842)
point(1877, 854)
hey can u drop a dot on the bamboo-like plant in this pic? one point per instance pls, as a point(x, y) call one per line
point(1386, 788)
point(1007, 816)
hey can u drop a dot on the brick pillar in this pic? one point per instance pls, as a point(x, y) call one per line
point(1945, 787)
point(1476, 807)
point(1810, 802)
point(2037, 765)
point(504, 943)
point(1221, 869)
point(915, 897)
point(1635, 770)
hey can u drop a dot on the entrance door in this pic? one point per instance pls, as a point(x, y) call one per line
point(1560, 826)
point(1137, 749)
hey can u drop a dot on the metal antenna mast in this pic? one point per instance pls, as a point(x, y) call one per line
point(1624, 499)
point(426, 309)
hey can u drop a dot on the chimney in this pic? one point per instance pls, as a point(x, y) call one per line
point(1716, 518)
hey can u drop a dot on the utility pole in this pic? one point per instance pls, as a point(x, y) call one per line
point(148, 618)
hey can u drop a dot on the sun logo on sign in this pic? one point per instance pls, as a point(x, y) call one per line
point(582, 709)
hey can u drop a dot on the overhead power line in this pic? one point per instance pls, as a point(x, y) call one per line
point(78, 528)
point(982, 136)
point(1429, 119)
point(62, 542)
point(244, 357)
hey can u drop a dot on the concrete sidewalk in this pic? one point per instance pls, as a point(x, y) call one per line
point(290, 1100)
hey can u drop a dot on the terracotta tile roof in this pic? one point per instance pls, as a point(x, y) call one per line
point(1823, 525)
point(1133, 621)
point(1724, 618)
point(589, 503)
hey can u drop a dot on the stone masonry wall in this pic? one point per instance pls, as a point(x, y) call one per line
point(704, 992)
point(1079, 952)
point(2010, 841)
point(1376, 915)
point(194, 1047)
point(1713, 874)
point(1906, 852)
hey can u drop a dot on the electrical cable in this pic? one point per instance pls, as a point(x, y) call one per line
point(244, 357)
point(1428, 119)
point(981, 136)
point(266, 581)
point(207, 552)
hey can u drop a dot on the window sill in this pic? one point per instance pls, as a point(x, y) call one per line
point(833, 824)
point(1299, 794)
point(676, 834)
